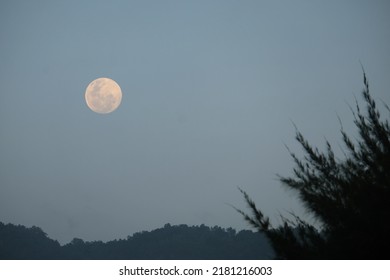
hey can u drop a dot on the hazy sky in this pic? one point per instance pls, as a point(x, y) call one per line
point(210, 90)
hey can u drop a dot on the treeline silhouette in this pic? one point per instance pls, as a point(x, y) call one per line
point(169, 242)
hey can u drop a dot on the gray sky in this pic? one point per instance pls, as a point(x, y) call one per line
point(209, 92)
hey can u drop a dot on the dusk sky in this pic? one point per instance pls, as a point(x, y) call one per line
point(210, 93)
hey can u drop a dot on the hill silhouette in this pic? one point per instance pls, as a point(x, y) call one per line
point(170, 242)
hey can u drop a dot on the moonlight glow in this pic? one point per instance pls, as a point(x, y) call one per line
point(103, 95)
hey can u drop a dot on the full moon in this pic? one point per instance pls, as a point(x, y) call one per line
point(103, 95)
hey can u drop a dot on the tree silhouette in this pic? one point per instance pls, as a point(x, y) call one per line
point(350, 198)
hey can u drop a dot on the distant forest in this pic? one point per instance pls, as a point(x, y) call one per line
point(181, 242)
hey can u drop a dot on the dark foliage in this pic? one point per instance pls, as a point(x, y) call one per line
point(19, 242)
point(169, 242)
point(350, 198)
